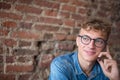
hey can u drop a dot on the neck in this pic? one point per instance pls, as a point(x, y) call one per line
point(85, 65)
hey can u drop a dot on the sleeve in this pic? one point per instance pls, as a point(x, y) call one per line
point(59, 70)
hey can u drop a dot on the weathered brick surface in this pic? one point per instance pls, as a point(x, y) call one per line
point(4, 5)
point(24, 44)
point(7, 77)
point(33, 32)
point(1, 68)
point(4, 32)
point(10, 15)
point(28, 9)
point(19, 68)
point(1, 59)
point(1, 49)
point(47, 4)
point(9, 24)
point(24, 77)
point(10, 59)
point(24, 35)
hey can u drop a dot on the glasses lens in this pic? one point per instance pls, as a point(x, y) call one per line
point(99, 42)
point(85, 39)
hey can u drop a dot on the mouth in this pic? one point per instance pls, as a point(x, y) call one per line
point(90, 53)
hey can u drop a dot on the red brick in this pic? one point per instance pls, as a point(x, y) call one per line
point(118, 24)
point(1, 49)
point(3, 32)
point(79, 3)
point(25, 1)
point(10, 59)
point(22, 52)
point(65, 30)
point(25, 25)
point(82, 11)
point(63, 1)
point(64, 14)
point(46, 28)
point(102, 14)
point(11, 1)
point(114, 41)
point(24, 77)
point(59, 36)
point(7, 77)
point(10, 15)
point(28, 9)
point(31, 18)
point(25, 35)
point(45, 60)
point(19, 68)
point(51, 13)
point(71, 37)
point(66, 46)
point(76, 31)
point(1, 59)
point(24, 59)
point(9, 42)
point(78, 17)
point(9, 24)
point(1, 68)
point(69, 8)
point(24, 43)
point(51, 20)
point(4, 5)
point(69, 22)
point(48, 4)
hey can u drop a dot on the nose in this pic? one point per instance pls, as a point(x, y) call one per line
point(92, 44)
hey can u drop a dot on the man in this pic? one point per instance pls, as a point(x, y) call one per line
point(87, 62)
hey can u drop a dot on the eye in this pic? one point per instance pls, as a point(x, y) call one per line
point(99, 41)
point(85, 38)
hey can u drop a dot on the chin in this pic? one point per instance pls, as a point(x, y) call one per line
point(90, 59)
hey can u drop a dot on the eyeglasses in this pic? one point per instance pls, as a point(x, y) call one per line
point(99, 42)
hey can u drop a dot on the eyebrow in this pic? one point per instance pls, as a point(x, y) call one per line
point(92, 38)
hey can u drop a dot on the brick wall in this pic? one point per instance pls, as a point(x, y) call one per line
point(33, 32)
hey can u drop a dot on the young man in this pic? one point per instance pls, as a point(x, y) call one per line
point(87, 63)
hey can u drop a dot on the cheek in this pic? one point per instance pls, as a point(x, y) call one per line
point(81, 46)
point(99, 50)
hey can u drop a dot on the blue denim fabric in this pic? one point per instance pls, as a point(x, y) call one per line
point(66, 67)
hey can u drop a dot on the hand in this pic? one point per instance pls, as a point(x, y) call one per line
point(109, 66)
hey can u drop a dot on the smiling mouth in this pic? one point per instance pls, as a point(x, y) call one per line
point(90, 53)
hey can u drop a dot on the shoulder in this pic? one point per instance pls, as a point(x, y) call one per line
point(63, 62)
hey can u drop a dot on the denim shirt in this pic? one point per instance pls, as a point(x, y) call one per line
point(66, 67)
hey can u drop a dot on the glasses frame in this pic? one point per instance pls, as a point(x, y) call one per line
point(105, 41)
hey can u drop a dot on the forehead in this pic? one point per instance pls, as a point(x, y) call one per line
point(93, 33)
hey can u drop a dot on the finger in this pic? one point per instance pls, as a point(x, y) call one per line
point(108, 64)
point(107, 49)
point(105, 54)
point(103, 67)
